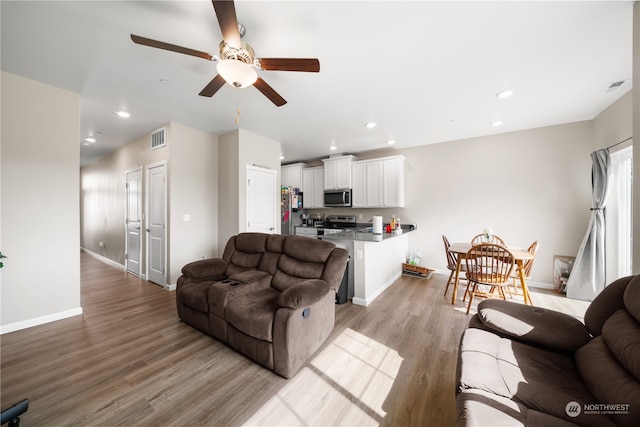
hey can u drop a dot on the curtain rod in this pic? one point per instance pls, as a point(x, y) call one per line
point(618, 143)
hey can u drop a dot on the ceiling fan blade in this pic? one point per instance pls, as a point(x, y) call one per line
point(310, 65)
point(213, 86)
point(226, 13)
point(269, 92)
point(172, 47)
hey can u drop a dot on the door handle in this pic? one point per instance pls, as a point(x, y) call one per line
point(148, 230)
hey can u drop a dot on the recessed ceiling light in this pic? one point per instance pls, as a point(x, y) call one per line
point(333, 147)
point(371, 125)
point(504, 94)
point(90, 139)
point(281, 157)
point(496, 123)
point(85, 144)
point(123, 114)
point(390, 142)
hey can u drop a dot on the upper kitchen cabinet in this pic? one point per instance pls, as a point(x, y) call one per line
point(378, 183)
point(313, 188)
point(292, 175)
point(337, 172)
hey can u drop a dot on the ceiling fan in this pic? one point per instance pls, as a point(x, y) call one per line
point(237, 63)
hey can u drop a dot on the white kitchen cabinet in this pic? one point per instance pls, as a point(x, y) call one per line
point(292, 175)
point(337, 172)
point(358, 184)
point(378, 183)
point(313, 188)
point(393, 182)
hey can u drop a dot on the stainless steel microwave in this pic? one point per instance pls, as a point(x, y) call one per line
point(340, 197)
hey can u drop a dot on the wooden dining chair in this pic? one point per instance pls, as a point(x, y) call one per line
point(480, 239)
point(452, 262)
point(488, 264)
point(515, 287)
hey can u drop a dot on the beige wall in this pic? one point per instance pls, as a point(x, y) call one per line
point(194, 192)
point(39, 218)
point(192, 158)
point(237, 150)
point(528, 185)
point(229, 179)
point(102, 196)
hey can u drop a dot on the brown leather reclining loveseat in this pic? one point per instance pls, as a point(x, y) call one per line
point(270, 297)
point(525, 366)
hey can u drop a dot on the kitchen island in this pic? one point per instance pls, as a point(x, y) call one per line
point(376, 261)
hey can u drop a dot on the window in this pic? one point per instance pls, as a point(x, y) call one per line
point(618, 219)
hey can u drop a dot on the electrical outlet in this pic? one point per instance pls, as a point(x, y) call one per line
point(101, 244)
point(359, 216)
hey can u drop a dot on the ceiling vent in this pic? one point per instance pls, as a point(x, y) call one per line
point(614, 85)
point(158, 139)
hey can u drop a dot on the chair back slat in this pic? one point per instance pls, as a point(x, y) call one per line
point(452, 261)
point(489, 263)
point(480, 238)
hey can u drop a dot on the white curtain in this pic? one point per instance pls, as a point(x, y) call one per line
point(618, 217)
point(587, 277)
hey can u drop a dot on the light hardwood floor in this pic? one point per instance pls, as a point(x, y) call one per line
point(129, 360)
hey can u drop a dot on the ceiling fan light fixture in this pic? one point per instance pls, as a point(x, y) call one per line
point(237, 73)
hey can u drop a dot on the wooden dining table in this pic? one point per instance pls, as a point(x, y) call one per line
point(520, 255)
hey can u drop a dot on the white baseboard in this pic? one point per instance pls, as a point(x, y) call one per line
point(366, 301)
point(103, 259)
point(530, 283)
point(12, 327)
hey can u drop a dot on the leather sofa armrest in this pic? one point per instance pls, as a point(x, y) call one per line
point(533, 325)
point(303, 294)
point(212, 268)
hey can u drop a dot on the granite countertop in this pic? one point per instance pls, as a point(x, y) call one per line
point(362, 236)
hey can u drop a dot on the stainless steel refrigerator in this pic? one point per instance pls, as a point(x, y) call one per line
point(290, 209)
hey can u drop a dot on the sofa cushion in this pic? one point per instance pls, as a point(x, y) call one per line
point(303, 294)
point(535, 377)
point(480, 408)
point(606, 303)
point(195, 295)
point(292, 271)
point(220, 293)
point(307, 250)
point(253, 313)
point(536, 325)
point(207, 268)
point(251, 243)
point(246, 252)
point(632, 299)
point(621, 334)
point(609, 381)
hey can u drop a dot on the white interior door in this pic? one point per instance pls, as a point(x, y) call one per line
point(133, 221)
point(157, 220)
point(262, 199)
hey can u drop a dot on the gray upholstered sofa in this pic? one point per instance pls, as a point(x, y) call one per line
point(270, 297)
point(526, 366)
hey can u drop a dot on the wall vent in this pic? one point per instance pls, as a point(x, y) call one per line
point(615, 85)
point(158, 139)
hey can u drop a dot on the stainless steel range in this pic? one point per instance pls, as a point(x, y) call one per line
point(338, 224)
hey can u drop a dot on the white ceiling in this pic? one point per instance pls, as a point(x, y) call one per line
point(426, 72)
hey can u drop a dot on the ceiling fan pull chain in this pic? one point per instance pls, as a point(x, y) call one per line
point(237, 108)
